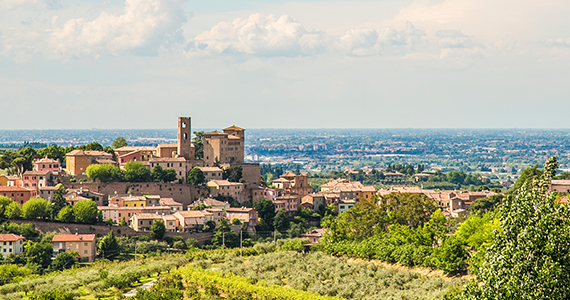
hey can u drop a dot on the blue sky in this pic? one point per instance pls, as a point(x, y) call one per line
point(285, 64)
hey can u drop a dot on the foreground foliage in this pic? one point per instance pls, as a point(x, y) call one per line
point(336, 277)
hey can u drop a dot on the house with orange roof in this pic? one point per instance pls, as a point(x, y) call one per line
point(84, 244)
point(47, 164)
point(18, 194)
point(77, 161)
point(11, 244)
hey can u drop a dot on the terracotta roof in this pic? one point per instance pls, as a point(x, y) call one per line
point(289, 174)
point(169, 202)
point(215, 132)
point(46, 161)
point(213, 202)
point(36, 172)
point(105, 161)
point(176, 159)
point(210, 169)
point(239, 209)
point(73, 237)
point(10, 237)
point(48, 188)
point(135, 148)
point(167, 146)
point(14, 189)
point(88, 153)
point(234, 127)
point(222, 183)
point(190, 214)
point(560, 181)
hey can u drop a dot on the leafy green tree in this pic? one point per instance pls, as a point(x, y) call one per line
point(94, 146)
point(103, 172)
point(486, 204)
point(109, 246)
point(58, 202)
point(38, 253)
point(528, 174)
point(169, 175)
point(35, 208)
point(529, 258)
point(13, 211)
point(136, 172)
point(85, 211)
point(157, 173)
point(29, 155)
point(266, 211)
point(236, 222)
point(408, 209)
point(11, 272)
point(451, 256)
point(65, 215)
point(119, 142)
point(223, 235)
point(53, 152)
point(4, 203)
point(196, 176)
point(198, 143)
point(157, 230)
point(281, 221)
point(233, 174)
point(123, 222)
point(64, 261)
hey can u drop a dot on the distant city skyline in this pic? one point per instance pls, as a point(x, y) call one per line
point(284, 64)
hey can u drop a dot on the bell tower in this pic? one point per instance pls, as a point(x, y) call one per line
point(184, 138)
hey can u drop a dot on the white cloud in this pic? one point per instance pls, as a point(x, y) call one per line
point(143, 28)
point(261, 35)
point(29, 4)
point(559, 42)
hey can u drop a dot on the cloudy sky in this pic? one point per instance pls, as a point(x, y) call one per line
point(285, 64)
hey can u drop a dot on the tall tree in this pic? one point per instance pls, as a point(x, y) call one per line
point(85, 211)
point(103, 172)
point(281, 222)
point(119, 142)
point(529, 259)
point(266, 210)
point(109, 247)
point(157, 230)
point(35, 208)
point(196, 176)
point(198, 142)
point(136, 172)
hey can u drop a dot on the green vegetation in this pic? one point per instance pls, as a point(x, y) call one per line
point(196, 176)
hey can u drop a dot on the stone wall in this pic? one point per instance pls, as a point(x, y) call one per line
point(183, 193)
point(102, 230)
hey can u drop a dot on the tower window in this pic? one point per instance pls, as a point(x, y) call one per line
point(185, 136)
point(183, 124)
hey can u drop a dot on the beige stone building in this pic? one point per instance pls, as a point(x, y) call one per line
point(77, 161)
point(228, 189)
point(84, 244)
point(11, 244)
point(212, 173)
point(292, 183)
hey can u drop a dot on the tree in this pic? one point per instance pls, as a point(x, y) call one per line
point(486, 204)
point(64, 261)
point(35, 208)
point(281, 222)
point(53, 152)
point(136, 172)
point(266, 211)
point(169, 175)
point(4, 203)
point(103, 172)
point(529, 258)
point(157, 173)
point(451, 256)
point(119, 142)
point(13, 211)
point(39, 253)
point(224, 236)
point(408, 209)
point(196, 176)
point(528, 174)
point(85, 211)
point(233, 174)
point(109, 247)
point(58, 202)
point(198, 142)
point(157, 230)
point(65, 215)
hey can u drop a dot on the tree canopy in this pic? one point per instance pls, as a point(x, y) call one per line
point(85, 211)
point(103, 172)
point(119, 142)
point(529, 257)
point(136, 172)
point(35, 208)
point(196, 176)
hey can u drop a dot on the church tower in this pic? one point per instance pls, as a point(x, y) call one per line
point(184, 138)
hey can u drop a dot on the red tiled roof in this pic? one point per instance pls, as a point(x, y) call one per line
point(73, 237)
point(10, 237)
point(14, 189)
point(234, 127)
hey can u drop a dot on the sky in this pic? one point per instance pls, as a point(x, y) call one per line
point(284, 64)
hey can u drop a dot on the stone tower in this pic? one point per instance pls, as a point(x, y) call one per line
point(184, 138)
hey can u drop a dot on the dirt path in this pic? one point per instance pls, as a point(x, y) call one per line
point(144, 287)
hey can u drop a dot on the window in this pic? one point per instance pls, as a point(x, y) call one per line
point(85, 244)
point(84, 251)
point(10, 243)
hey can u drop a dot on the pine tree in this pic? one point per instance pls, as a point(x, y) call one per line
point(109, 247)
